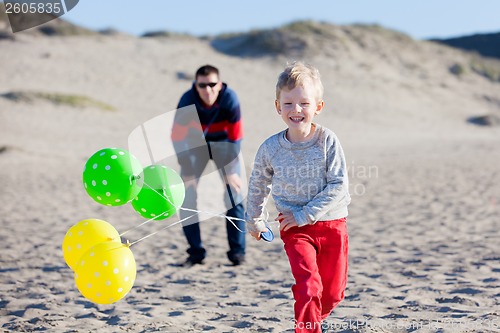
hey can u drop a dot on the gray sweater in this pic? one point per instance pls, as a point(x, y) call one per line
point(308, 179)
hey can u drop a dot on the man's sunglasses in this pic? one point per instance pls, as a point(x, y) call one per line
point(204, 85)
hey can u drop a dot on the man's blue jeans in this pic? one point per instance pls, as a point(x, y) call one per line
point(198, 161)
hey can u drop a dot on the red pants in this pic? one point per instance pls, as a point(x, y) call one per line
point(318, 258)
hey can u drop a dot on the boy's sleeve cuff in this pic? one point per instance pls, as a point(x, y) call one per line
point(256, 226)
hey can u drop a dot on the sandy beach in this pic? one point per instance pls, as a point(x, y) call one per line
point(423, 223)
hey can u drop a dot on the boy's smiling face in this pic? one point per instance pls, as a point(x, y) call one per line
point(297, 107)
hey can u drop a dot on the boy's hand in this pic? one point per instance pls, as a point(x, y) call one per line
point(256, 234)
point(255, 229)
point(286, 221)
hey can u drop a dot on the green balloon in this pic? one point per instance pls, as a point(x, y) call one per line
point(112, 177)
point(162, 193)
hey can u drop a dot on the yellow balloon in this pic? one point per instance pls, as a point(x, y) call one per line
point(106, 272)
point(85, 234)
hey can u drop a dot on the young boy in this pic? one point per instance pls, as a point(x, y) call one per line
point(306, 168)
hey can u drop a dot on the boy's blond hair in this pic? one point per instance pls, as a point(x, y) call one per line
point(298, 74)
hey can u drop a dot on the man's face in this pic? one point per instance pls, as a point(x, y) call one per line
point(208, 88)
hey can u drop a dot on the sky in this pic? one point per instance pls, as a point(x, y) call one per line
point(420, 19)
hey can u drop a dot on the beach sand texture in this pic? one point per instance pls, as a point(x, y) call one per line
point(424, 219)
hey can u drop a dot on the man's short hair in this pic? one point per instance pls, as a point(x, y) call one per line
point(206, 70)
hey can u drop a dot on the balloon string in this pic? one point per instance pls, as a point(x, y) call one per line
point(157, 231)
point(229, 218)
point(143, 223)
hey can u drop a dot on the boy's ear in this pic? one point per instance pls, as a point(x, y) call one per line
point(319, 107)
point(277, 105)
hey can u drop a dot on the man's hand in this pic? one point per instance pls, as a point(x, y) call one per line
point(234, 181)
point(286, 221)
point(190, 181)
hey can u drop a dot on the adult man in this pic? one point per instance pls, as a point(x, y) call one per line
point(218, 110)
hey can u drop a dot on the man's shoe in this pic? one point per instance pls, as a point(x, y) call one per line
point(190, 262)
point(237, 259)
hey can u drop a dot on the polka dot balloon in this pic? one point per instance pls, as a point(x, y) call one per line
point(111, 177)
point(84, 235)
point(106, 272)
point(163, 191)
